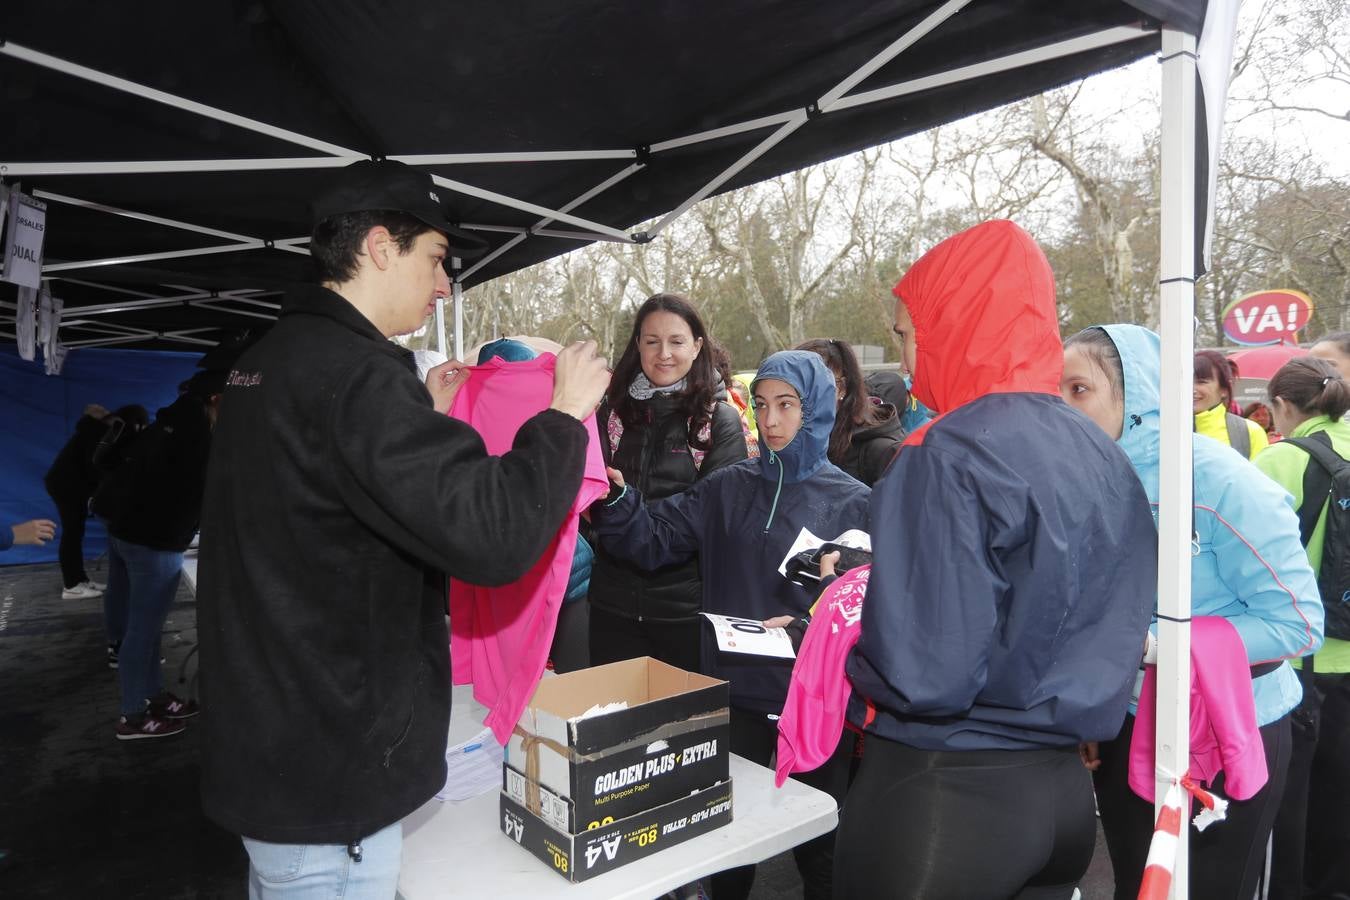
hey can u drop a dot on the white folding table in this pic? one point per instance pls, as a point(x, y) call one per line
point(459, 850)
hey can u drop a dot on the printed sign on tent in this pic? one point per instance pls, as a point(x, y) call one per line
point(1267, 317)
point(24, 232)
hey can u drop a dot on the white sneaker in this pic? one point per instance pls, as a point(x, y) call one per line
point(83, 591)
point(96, 585)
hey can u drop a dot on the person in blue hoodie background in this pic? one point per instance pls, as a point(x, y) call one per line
point(1249, 568)
point(741, 521)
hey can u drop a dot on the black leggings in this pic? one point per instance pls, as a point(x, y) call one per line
point(1228, 859)
point(1311, 842)
point(755, 737)
point(70, 550)
point(965, 825)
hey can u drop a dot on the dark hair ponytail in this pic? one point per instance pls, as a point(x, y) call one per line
point(855, 406)
point(1313, 386)
point(701, 384)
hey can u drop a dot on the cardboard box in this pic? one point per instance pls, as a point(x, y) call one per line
point(578, 857)
point(672, 739)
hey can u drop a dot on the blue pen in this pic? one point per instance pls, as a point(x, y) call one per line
point(473, 747)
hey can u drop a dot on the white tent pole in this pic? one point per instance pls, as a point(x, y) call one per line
point(524, 156)
point(583, 198)
point(149, 257)
point(142, 217)
point(797, 118)
point(75, 70)
point(458, 290)
point(718, 133)
point(440, 325)
point(1175, 510)
point(104, 342)
point(207, 304)
point(129, 305)
point(460, 187)
point(1095, 41)
point(167, 166)
point(900, 45)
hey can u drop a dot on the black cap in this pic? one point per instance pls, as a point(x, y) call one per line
point(386, 184)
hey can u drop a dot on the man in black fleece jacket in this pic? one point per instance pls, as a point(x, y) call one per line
point(339, 496)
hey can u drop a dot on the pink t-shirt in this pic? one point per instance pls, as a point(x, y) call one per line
point(813, 716)
point(500, 636)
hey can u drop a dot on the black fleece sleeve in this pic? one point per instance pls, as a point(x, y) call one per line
point(728, 440)
point(425, 481)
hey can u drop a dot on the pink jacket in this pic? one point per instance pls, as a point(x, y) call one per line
point(500, 636)
point(1224, 734)
point(813, 716)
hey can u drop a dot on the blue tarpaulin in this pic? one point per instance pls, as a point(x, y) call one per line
point(38, 414)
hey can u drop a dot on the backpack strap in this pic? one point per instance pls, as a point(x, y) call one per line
point(1239, 438)
point(1316, 480)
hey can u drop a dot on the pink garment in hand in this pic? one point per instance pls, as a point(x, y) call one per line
point(813, 716)
point(500, 636)
point(1224, 734)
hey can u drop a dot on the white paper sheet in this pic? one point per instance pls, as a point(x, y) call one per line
point(473, 768)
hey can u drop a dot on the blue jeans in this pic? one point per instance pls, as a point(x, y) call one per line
point(326, 871)
point(143, 582)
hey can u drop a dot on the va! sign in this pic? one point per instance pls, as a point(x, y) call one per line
point(23, 240)
point(1267, 317)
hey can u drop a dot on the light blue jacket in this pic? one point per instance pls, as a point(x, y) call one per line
point(1250, 567)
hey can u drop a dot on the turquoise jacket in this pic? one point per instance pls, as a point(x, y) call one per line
point(1250, 567)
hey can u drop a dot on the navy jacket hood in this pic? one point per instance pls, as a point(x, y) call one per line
point(814, 384)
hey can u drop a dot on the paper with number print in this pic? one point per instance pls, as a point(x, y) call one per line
point(735, 635)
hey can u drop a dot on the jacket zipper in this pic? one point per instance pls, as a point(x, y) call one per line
point(773, 458)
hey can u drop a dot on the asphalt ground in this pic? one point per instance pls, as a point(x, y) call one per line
point(85, 815)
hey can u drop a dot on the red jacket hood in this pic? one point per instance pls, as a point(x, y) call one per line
point(983, 305)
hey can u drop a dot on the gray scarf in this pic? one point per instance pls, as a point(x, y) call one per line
point(643, 389)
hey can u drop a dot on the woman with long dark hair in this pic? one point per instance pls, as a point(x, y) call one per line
point(667, 426)
point(866, 431)
point(1212, 399)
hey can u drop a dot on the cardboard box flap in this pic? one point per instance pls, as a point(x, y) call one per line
point(643, 682)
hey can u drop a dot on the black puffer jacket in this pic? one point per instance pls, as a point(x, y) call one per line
point(655, 458)
point(873, 446)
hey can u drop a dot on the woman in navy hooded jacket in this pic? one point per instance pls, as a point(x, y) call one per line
point(741, 521)
point(1248, 567)
point(1014, 567)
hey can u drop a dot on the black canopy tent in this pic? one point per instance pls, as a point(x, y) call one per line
point(177, 147)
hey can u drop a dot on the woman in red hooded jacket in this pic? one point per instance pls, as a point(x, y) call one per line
point(1014, 568)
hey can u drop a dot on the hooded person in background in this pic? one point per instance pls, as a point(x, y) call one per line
point(867, 430)
point(74, 476)
point(1014, 565)
point(1247, 567)
point(741, 521)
